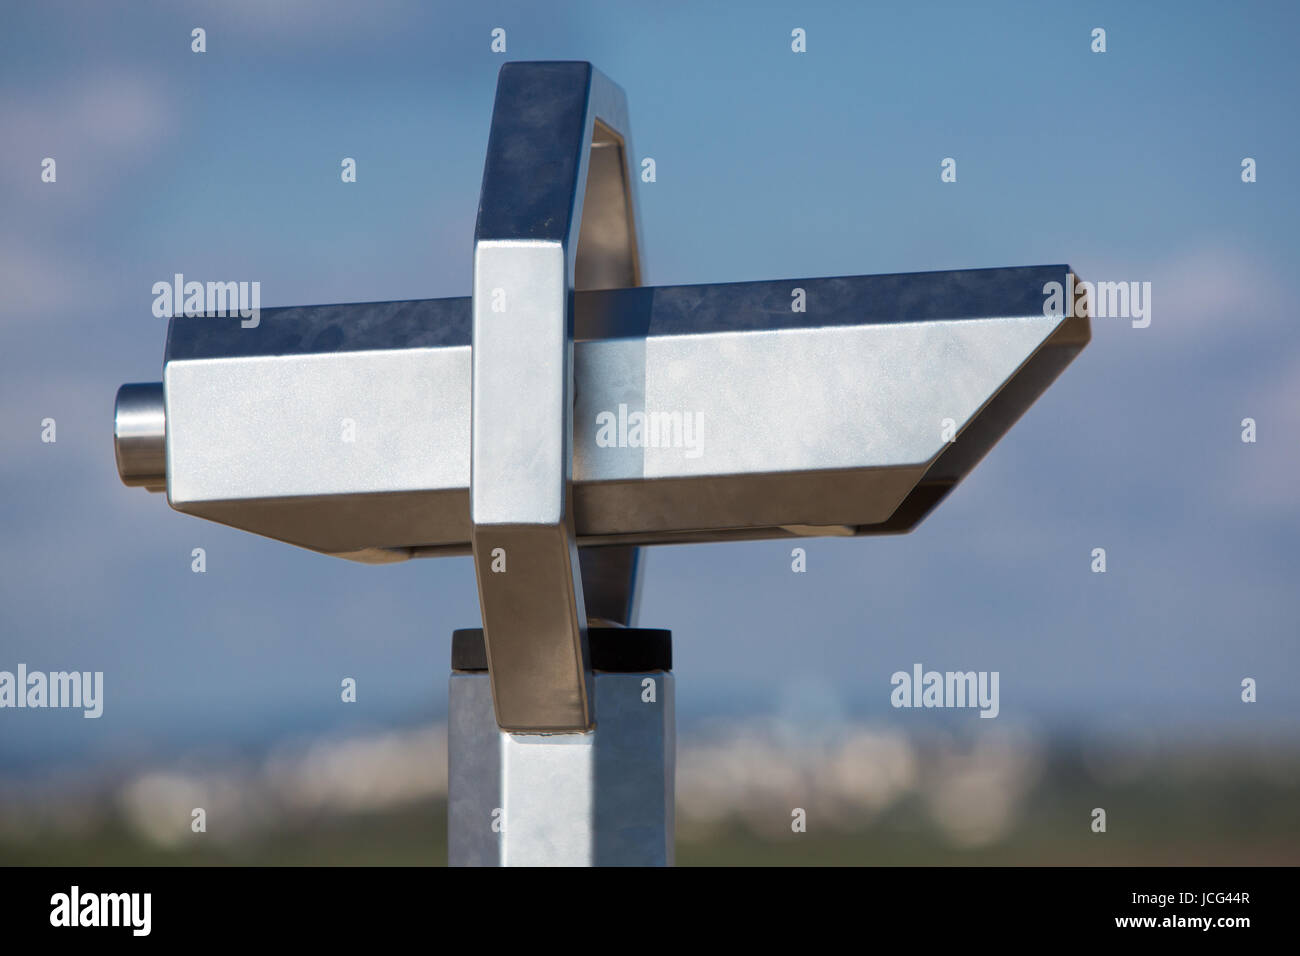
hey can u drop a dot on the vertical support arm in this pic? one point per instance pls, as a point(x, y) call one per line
point(556, 213)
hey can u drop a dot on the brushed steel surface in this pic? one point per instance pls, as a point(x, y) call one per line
point(603, 798)
point(827, 418)
point(556, 213)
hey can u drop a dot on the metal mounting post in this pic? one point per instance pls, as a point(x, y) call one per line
point(602, 798)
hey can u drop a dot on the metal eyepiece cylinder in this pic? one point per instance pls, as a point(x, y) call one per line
point(140, 436)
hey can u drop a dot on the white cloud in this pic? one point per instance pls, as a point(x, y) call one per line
point(95, 130)
point(1262, 479)
point(1199, 294)
point(309, 21)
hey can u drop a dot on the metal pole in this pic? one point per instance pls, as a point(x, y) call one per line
point(603, 798)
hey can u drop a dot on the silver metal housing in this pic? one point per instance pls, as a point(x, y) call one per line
point(825, 422)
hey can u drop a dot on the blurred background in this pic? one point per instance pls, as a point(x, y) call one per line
point(1119, 690)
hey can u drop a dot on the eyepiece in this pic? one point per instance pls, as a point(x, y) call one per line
point(140, 436)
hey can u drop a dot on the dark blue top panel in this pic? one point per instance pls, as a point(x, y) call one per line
point(669, 310)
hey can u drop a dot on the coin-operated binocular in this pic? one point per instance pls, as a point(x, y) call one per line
point(563, 417)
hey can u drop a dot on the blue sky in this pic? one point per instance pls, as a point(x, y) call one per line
point(770, 165)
